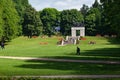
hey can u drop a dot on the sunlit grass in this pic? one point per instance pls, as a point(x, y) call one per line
point(19, 68)
point(35, 47)
point(104, 49)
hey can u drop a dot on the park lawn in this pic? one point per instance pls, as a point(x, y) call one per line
point(11, 67)
point(104, 49)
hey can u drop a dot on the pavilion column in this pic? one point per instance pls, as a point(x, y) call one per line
point(73, 33)
point(82, 32)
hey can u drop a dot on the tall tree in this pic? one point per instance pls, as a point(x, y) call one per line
point(20, 6)
point(93, 21)
point(1, 21)
point(84, 10)
point(50, 18)
point(10, 20)
point(96, 4)
point(90, 24)
point(112, 13)
point(68, 19)
point(32, 24)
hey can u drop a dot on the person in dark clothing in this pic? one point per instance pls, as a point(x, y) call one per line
point(2, 45)
point(78, 51)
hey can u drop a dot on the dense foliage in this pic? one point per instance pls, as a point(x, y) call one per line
point(32, 25)
point(70, 18)
point(20, 6)
point(50, 20)
point(9, 20)
point(20, 18)
point(112, 14)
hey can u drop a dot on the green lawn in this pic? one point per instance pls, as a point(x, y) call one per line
point(10, 67)
point(22, 46)
point(104, 49)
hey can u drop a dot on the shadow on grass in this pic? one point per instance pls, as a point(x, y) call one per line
point(72, 68)
point(79, 68)
point(114, 40)
point(97, 54)
point(105, 52)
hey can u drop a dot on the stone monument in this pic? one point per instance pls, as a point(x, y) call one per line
point(82, 31)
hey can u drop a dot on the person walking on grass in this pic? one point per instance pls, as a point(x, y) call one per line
point(78, 50)
point(2, 45)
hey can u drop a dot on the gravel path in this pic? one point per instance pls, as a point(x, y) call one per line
point(68, 76)
point(62, 60)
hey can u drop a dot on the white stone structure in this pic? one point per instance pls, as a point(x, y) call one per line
point(82, 31)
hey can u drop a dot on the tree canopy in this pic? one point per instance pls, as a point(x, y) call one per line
point(68, 19)
point(32, 24)
point(112, 13)
point(50, 18)
point(20, 18)
point(10, 27)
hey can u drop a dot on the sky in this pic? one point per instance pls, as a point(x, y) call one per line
point(60, 4)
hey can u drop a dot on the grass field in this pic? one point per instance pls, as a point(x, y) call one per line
point(104, 49)
point(22, 46)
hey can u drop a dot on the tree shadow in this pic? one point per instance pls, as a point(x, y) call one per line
point(96, 54)
point(79, 68)
point(105, 52)
point(114, 41)
point(76, 67)
point(72, 68)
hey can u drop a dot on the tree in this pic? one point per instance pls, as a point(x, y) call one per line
point(90, 24)
point(10, 20)
point(96, 4)
point(1, 20)
point(93, 21)
point(20, 6)
point(112, 14)
point(68, 19)
point(84, 10)
point(50, 18)
point(32, 24)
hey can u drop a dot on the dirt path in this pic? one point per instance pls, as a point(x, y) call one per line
point(61, 60)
